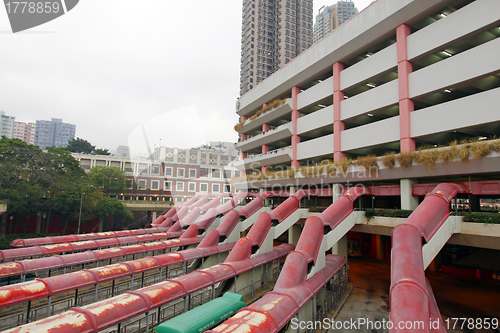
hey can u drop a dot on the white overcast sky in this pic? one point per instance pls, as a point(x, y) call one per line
point(124, 71)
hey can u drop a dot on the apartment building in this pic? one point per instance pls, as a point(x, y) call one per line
point(170, 174)
point(273, 33)
point(24, 132)
point(53, 133)
point(6, 125)
point(330, 17)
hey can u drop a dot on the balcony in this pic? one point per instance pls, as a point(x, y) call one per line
point(278, 156)
point(276, 134)
point(267, 116)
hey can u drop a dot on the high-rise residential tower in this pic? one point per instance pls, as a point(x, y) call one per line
point(273, 33)
point(6, 125)
point(53, 133)
point(24, 131)
point(330, 17)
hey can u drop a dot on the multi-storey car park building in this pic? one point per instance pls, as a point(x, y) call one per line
point(394, 82)
point(273, 32)
point(330, 17)
point(170, 174)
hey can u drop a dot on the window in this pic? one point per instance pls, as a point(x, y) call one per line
point(192, 187)
point(227, 174)
point(215, 188)
point(141, 184)
point(180, 186)
point(168, 171)
point(203, 187)
point(128, 183)
point(155, 169)
point(155, 185)
point(192, 173)
point(167, 186)
point(227, 188)
point(203, 172)
point(180, 172)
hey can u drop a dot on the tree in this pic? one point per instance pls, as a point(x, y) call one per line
point(32, 180)
point(79, 146)
point(100, 151)
point(114, 209)
point(109, 180)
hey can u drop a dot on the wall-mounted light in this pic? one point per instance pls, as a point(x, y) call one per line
point(447, 90)
point(371, 85)
point(369, 115)
point(447, 53)
point(443, 15)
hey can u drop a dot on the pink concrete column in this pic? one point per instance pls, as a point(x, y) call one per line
point(338, 124)
point(243, 137)
point(405, 103)
point(265, 148)
point(295, 136)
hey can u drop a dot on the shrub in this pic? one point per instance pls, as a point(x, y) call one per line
point(480, 149)
point(447, 154)
point(491, 218)
point(406, 159)
point(343, 165)
point(369, 213)
point(401, 213)
point(271, 105)
point(290, 173)
point(367, 162)
point(464, 152)
point(331, 170)
point(428, 158)
point(495, 145)
point(389, 160)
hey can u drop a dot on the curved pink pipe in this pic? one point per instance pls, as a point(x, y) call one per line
point(411, 297)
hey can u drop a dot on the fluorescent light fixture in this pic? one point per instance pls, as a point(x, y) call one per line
point(447, 90)
point(483, 138)
point(368, 55)
point(323, 106)
point(346, 97)
point(369, 115)
point(443, 15)
point(447, 53)
point(371, 85)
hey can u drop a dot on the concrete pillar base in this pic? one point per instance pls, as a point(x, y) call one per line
point(408, 201)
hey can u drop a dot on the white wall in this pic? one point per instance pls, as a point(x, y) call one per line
point(381, 96)
point(463, 22)
point(383, 131)
point(315, 120)
point(472, 64)
point(316, 147)
point(461, 113)
point(380, 62)
point(315, 93)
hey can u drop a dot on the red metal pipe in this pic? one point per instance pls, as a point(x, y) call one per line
point(289, 206)
point(39, 288)
point(271, 313)
point(411, 297)
point(112, 311)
